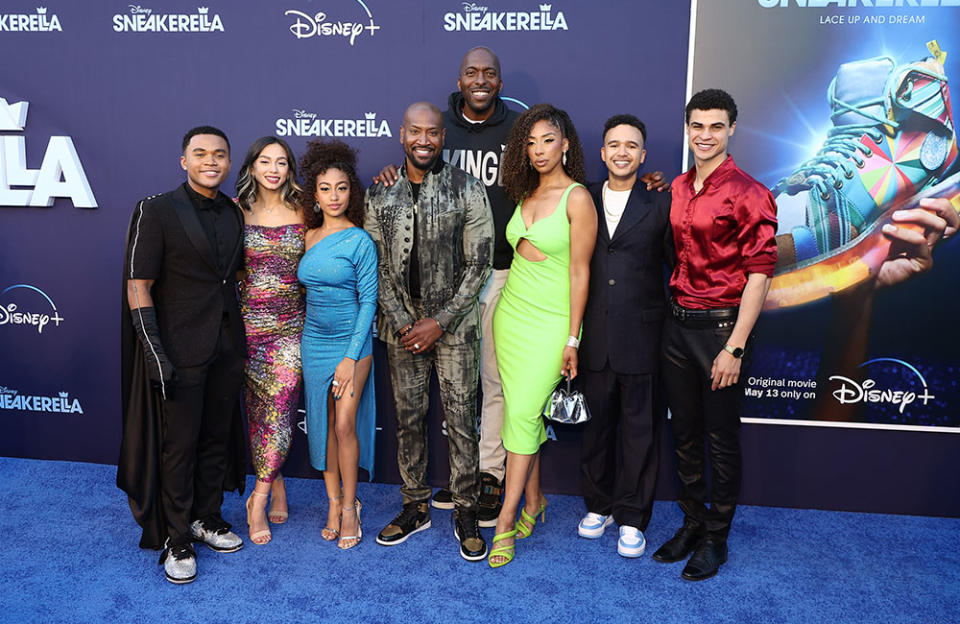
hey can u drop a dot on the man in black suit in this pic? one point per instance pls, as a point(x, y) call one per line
point(620, 348)
point(183, 360)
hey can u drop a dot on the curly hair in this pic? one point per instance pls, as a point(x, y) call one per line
point(519, 177)
point(710, 99)
point(321, 156)
point(247, 187)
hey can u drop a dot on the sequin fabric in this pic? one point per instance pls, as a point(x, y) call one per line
point(272, 305)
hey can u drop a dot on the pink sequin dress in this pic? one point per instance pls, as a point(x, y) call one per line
point(272, 306)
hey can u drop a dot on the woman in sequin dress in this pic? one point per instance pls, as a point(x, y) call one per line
point(339, 271)
point(272, 306)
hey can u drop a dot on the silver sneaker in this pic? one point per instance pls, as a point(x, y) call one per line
point(179, 563)
point(216, 534)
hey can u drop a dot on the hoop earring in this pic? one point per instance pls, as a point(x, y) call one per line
point(564, 159)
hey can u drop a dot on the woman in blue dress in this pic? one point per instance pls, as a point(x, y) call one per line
point(339, 271)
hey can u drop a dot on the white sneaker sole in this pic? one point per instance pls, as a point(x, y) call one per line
point(595, 533)
point(480, 557)
point(631, 552)
point(426, 525)
point(180, 581)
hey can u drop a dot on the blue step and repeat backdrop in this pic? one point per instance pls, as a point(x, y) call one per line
point(851, 400)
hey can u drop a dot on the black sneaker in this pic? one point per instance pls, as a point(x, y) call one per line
point(465, 529)
point(414, 518)
point(489, 504)
point(442, 499)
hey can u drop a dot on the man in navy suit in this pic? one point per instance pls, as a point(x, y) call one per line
point(620, 347)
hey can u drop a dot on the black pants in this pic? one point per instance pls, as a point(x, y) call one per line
point(697, 412)
point(620, 449)
point(197, 421)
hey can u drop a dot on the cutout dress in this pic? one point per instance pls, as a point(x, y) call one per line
point(531, 325)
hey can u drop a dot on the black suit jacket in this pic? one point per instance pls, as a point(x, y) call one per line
point(191, 298)
point(627, 301)
point(191, 295)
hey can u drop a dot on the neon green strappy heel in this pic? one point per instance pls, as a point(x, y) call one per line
point(526, 523)
point(507, 552)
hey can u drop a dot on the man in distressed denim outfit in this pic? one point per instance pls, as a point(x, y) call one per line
point(434, 236)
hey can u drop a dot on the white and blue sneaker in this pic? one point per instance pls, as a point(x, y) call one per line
point(593, 525)
point(631, 542)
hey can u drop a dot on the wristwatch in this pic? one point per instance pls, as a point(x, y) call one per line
point(736, 352)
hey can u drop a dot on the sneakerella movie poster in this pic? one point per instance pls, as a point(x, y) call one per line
point(845, 114)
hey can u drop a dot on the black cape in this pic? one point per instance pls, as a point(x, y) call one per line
point(138, 468)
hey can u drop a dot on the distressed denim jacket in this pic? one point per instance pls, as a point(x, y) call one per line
point(455, 247)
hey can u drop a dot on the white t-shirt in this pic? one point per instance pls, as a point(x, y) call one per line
point(614, 203)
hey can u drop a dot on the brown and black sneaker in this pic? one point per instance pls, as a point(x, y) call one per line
point(442, 499)
point(414, 518)
point(488, 507)
point(465, 529)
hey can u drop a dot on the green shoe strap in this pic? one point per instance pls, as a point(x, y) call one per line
point(505, 535)
point(506, 552)
point(525, 524)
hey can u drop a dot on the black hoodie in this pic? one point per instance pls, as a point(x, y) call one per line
point(477, 148)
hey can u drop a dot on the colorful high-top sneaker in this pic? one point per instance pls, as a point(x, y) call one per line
point(893, 136)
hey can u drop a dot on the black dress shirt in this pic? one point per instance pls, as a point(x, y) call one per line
point(218, 221)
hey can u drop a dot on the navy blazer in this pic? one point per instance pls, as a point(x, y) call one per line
point(627, 301)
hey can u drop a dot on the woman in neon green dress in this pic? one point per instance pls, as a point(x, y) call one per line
point(537, 321)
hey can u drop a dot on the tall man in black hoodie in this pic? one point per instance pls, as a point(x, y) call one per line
point(477, 122)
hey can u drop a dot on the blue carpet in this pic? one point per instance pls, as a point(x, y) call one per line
point(69, 554)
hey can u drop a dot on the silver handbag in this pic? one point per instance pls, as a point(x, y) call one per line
point(566, 406)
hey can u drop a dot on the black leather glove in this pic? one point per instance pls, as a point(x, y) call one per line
point(148, 333)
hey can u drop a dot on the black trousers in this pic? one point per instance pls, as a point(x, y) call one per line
point(697, 412)
point(197, 421)
point(620, 448)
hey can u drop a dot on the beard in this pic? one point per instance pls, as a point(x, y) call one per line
point(419, 163)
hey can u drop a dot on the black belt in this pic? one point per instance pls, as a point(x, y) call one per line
point(713, 314)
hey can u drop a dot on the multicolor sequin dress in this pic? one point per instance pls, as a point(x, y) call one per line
point(340, 274)
point(272, 305)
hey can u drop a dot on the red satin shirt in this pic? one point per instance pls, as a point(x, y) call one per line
point(721, 234)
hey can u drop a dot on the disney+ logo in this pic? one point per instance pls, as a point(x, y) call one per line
point(867, 391)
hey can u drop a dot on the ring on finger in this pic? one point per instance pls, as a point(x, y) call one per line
point(335, 383)
point(416, 346)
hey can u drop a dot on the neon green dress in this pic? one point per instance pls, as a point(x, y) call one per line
point(531, 325)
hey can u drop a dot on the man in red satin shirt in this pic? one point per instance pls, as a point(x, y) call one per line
point(724, 225)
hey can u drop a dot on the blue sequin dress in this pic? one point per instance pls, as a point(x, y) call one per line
point(340, 275)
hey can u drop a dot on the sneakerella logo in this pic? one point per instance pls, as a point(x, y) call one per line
point(60, 174)
point(144, 19)
point(27, 22)
point(307, 123)
point(11, 399)
point(28, 306)
point(914, 387)
point(321, 24)
point(478, 17)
